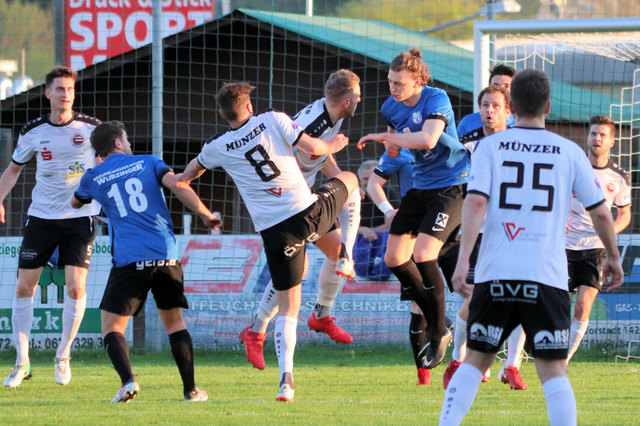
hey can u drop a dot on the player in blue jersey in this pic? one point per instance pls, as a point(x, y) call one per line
point(144, 249)
point(470, 127)
point(421, 118)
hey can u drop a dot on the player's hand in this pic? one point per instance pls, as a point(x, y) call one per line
point(612, 274)
point(2, 213)
point(459, 279)
point(338, 142)
point(374, 137)
point(392, 149)
point(389, 215)
point(369, 234)
point(212, 220)
point(362, 193)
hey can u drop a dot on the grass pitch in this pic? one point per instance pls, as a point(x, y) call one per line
point(334, 385)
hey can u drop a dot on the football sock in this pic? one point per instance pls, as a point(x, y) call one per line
point(182, 350)
point(285, 340)
point(329, 284)
point(72, 315)
point(118, 351)
point(515, 345)
point(349, 219)
point(561, 402)
point(460, 394)
point(267, 309)
point(417, 335)
point(411, 281)
point(459, 340)
point(578, 329)
point(22, 319)
point(434, 289)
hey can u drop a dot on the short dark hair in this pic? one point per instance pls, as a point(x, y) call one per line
point(530, 92)
point(340, 83)
point(494, 89)
point(232, 96)
point(60, 71)
point(603, 120)
point(103, 137)
point(501, 69)
point(412, 62)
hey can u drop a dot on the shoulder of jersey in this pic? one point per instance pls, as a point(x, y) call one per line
point(87, 119)
point(33, 124)
point(619, 170)
point(214, 137)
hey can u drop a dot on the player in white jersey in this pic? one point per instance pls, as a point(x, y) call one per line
point(321, 119)
point(494, 113)
point(60, 142)
point(257, 152)
point(522, 181)
point(585, 251)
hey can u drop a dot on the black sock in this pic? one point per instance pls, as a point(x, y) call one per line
point(182, 350)
point(417, 335)
point(434, 290)
point(410, 279)
point(118, 351)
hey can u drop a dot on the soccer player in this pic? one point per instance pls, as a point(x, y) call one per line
point(145, 252)
point(470, 127)
point(321, 119)
point(585, 251)
point(494, 112)
point(60, 142)
point(421, 118)
point(523, 180)
point(257, 152)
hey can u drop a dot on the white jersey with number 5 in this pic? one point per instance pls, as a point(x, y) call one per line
point(528, 176)
point(259, 158)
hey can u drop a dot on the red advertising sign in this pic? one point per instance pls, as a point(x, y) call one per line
point(99, 29)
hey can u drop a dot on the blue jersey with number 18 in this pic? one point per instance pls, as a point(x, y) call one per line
point(129, 189)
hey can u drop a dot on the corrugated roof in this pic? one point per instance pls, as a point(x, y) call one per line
point(449, 64)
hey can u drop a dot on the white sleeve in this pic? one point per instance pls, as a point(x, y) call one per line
point(208, 156)
point(481, 164)
point(586, 186)
point(623, 197)
point(289, 130)
point(24, 150)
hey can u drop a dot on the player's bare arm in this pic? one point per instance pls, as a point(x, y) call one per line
point(316, 146)
point(375, 189)
point(7, 182)
point(190, 199)
point(473, 212)
point(425, 139)
point(623, 219)
point(330, 168)
point(612, 272)
point(193, 171)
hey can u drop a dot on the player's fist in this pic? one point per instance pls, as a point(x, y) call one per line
point(338, 142)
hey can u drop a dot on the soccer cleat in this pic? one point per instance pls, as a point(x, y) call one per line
point(424, 377)
point(127, 392)
point(62, 371)
point(285, 393)
point(512, 376)
point(254, 347)
point(328, 326)
point(434, 355)
point(485, 379)
point(344, 267)
point(19, 373)
point(196, 395)
point(448, 373)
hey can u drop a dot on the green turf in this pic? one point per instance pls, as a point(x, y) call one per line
point(334, 385)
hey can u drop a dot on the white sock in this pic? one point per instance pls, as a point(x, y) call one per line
point(22, 320)
point(72, 315)
point(459, 340)
point(285, 340)
point(561, 402)
point(267, 309)
point(578, 329)
point(349, 218)
point(460, 394)
point(329, 284)
point(515, 346)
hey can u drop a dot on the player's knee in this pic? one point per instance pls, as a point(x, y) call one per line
point(350, 180)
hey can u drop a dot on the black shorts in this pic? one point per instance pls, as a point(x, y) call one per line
point(448, 258)
point(128, 286)
point(74, 237)
point(435, 212)
point(585, 268)
point(497, 307)
point(285, 243)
